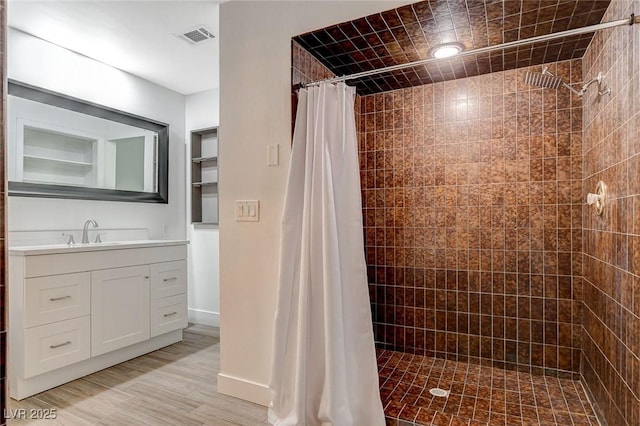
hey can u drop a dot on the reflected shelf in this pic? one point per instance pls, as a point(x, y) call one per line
point(204, 183)
point(203, 159)
point(38, 159)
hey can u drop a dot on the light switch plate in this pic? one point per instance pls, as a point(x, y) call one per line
point(247, 210)
point(240, 209)
point(273, 155)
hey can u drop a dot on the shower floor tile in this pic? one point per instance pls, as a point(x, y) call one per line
point(479, 395)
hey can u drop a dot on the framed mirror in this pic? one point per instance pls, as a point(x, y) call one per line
point(63, 147)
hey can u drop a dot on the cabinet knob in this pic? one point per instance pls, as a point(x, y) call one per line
point(146, 277)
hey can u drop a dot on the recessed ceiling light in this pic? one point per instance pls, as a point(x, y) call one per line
point(446, 50)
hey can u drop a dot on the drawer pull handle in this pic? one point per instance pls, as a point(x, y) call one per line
point(68, 342)
point(170, 314)
point(55, 299)
point(170, 279)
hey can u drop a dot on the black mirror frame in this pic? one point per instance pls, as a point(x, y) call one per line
point(26, 189)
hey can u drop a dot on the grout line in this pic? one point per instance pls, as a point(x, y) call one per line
point(592, 403)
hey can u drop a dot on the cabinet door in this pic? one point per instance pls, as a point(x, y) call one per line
point(119, 308)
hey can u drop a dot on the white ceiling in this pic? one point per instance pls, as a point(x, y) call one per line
point(134, 36)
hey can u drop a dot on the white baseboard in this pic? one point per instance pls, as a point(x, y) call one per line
point(244, 389)
point(199, 316)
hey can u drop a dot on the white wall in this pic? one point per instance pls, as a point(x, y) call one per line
point(202, 112)
point(255, 60)
point(37, 62)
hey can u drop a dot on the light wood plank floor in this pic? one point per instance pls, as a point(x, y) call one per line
point(176, 386)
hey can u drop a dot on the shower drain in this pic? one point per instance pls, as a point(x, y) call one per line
point(439, 392)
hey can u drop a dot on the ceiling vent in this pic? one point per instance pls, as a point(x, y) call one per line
point(197, 35)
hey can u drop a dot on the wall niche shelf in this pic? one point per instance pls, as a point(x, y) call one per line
point(204, 176)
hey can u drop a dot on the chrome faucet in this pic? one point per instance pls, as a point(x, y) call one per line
point(85, 230)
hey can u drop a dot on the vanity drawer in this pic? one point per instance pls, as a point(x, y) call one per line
point(56, 298)
point(168, 314)
point(168, 279)
point(56, 345)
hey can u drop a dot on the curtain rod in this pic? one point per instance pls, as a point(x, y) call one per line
point(576, 31)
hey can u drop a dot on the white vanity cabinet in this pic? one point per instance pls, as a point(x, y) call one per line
point(79, 309)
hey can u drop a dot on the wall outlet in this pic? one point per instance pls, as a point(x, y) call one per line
point(247, 210)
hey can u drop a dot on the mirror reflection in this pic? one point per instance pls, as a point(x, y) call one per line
point(52, 145)
point(64, 147)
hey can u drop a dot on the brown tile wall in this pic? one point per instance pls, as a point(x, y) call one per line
point(472, 206)
point(304, 69)
point(611, 315)
point(3, 226)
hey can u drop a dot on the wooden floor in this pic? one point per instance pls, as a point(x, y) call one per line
point(176, 386)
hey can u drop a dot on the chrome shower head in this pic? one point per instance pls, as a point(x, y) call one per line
point(544, 79)
point(547, 80)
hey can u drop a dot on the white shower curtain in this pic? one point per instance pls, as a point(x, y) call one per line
point(324, 365)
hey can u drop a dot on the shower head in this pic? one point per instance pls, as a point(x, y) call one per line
point(547, 80)
point(544, 79)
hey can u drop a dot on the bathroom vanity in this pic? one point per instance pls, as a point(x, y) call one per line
point(78, 309)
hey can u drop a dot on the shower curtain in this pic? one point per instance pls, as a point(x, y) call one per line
point(324, 365)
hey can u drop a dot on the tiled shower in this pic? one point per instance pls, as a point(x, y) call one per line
point(610, 340)
point(488, 273)
point(470, 201)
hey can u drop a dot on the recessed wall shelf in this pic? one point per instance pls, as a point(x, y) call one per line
point(204, 176)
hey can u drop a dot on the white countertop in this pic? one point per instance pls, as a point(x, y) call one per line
point(76, 248)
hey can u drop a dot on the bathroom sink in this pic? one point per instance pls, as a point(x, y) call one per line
point(106, 245)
